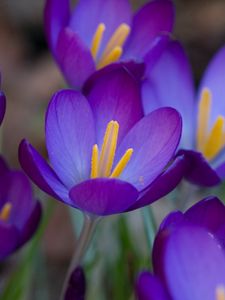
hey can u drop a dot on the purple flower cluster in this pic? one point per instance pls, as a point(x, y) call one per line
point(112, 141)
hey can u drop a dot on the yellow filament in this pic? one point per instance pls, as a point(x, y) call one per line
point(108, 149)
point(203, 118)
point(214, 141)
point(94, 162)
point(5, 212)
point(117, 40)
point(101, 164)
point(220, 293)
point(97, 39)
point(122, 163)
point(113, 56)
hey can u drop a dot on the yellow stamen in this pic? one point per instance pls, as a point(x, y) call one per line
point(113, 56)
point(203, 118)
point(101, 164)
point(220, 293)
point(108, 149)
point(214, 141)
point(117, 40)
point(94, 162)
point(122, 163)
point(97, 39)
point(5, 212)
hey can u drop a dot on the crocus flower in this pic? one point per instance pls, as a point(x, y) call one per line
point(188, 256)
point(98, 32)
point(105, 157)
point(169, 82)
point(19, 212)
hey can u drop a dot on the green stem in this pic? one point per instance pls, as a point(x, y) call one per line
point(83, 241)
point(149, 225)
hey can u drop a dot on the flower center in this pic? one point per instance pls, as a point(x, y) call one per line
point(101, 163)
point(209, 141)
point(5, 212)
point(220, 293)
point(114, 47)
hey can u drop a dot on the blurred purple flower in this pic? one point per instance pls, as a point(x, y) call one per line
point(169, 83)
point(106, 157)
point(20, 213)
point(98, 32)
point(2, 104)
point(188, 256)
point(77, 285)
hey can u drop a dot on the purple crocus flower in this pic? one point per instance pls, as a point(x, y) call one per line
point(169, 82)
point(98, 32)
point(188, 256)
point(105, 156)
point(19, 212)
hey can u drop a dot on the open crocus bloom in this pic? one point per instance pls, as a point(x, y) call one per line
point(99, 32)
point(188, 256)
point(106, 157)
point(20, 213)
point(170, 83)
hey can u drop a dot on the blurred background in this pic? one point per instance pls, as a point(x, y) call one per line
point(30, 76)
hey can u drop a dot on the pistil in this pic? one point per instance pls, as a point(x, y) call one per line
point(101, 163)
point(114, 47)
point(5, 211)
point(220, 293)
point(209, 141)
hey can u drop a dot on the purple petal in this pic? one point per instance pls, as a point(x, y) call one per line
point(199, 172)
point(168, 225)
point(9, 236)
point(74, 58)
point(40, 172)
point(88, 14)
point(213, 79)
point(149, 287)
point(77, 285)
point(115, 95)
point(163, 184)
point(103, 196)
point(2, 106)
point(210, 214)
point(136, 68)
point(220, 170)
point(158, 46)
point(194, 264)
point(170, 83)
point(31, 224)
point(151, 20)
point(70, 136)
point(3, 166)
point(154, 140)
point(16, 189)
point(56, 16)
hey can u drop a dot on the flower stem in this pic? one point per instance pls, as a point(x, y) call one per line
point(149, 225)
point(86, 234)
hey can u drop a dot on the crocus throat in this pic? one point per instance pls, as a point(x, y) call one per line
point(209, 141)
point(114, 47)
point(5, 211)
point(220, 293)
point(101, 163)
